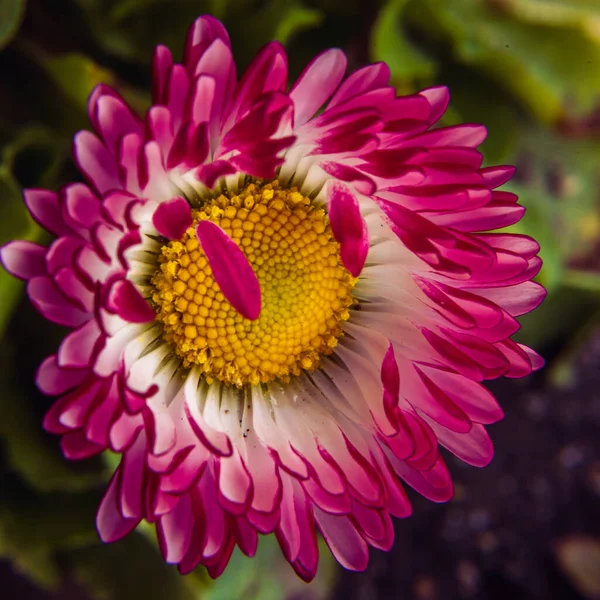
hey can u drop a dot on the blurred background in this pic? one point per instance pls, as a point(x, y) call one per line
point(528, 526)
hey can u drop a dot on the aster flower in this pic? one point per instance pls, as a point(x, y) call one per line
point(279, 312)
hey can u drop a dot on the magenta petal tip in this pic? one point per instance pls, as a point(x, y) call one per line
point(231, 269)
point(126, 301)
point(349, 228)
point(172, 218)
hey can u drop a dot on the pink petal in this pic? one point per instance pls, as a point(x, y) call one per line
point(54, 380)
point(518, 299)
point(80, 205)
point(111, 525)
point(496, 176)
point(314, 86)
point(172, 218)
point(368, 78)
point(44, 208)
point(345, 543)
point(209, 173)
point(77, 349)
point(96, 162)
point(438, 98)
point(24, 260)
point(231, 269)
point(348, 227)
point(175, 531)
point(47, 299)
point(161, 63)
point(125, 300)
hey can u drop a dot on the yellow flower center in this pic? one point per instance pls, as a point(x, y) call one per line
point(305, 290)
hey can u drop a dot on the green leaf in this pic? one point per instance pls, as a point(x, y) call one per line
point(29, 452)
point(76, 75)
point(11, 16)
point(268, 576)
point(130, 568)
point(271, 20)
point(390, 45)
point(579, 13)
point(294, 18)
point(552, 71)
point(131, 29)
point(40, 526)
point(474, 102)
point(565, 173)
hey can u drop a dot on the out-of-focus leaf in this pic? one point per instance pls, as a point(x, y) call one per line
point(130, 568)
point(552, 71)
point(561, 13)
point(389, 44)
point(28, 451)
point(564, 312)
point(31, 535)
point(565, 173)
point(76, 75)
point(11, 15)
point(294, 18)
point(562, 369)
point(130, 29)
point(473, 101)
point(273, 20)
point(268, 576)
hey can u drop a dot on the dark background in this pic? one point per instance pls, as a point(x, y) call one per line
point(527, 526)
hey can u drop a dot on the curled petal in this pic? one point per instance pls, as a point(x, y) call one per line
point(125, 300)
point(172, 218)
point(349, 228)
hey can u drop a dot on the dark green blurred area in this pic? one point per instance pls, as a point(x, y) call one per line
point(527, 69)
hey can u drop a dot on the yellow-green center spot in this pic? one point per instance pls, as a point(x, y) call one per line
point(305, 289)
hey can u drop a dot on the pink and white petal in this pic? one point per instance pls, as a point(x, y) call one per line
point(111, 524)
point(23, 259)
point(174, 531)
point(344, 541)
point(125, 300)
point(48, 300)
point(77, 349)
point(316, 84)
point(96, 162)
point(45, 209)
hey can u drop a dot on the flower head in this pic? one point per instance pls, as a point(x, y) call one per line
point(278, 312)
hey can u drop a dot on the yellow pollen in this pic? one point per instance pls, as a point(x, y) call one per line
point(305, 289)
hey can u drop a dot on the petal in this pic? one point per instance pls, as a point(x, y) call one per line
point(345, 543)
point(24, 260)
point(96, 162)
point(314, 86)
point(231, 269)
point(348, 227)
point(111, 525)
point(172, 218)
point(44, 208)
point(126, 301)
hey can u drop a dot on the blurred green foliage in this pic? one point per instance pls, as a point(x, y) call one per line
point(528, 69)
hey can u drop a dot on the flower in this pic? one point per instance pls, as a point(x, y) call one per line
point(278, 312)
